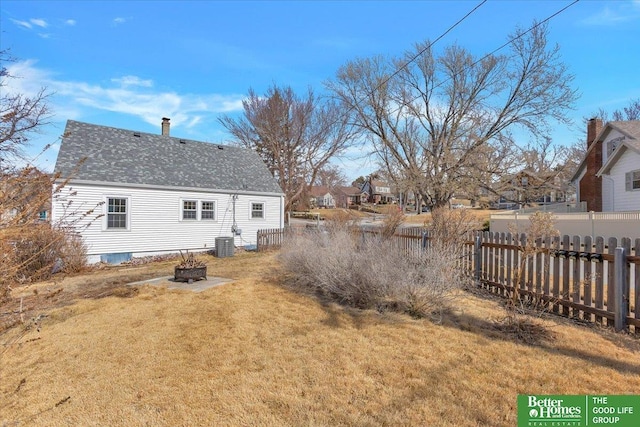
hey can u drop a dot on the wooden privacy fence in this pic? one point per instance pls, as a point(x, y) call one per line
point(271, 238)
point(410, 240)
point(584, 278)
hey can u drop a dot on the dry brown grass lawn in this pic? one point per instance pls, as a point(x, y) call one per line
point(481, 214)
point(254, 353)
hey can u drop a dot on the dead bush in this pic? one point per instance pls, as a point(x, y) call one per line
point(31, 248)
point(391, 222)
point(366, 271)
point(452, 227)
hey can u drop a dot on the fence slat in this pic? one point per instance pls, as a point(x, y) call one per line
point(556, 274)
point(566, 291)
point(587, 279)
point(611, 250)
point(575, 312)
point(599, 277)
point(636, 299)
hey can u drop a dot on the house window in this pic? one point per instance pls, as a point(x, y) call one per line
point(208, 210)
point(257, 210)
point(632, 180)
point(189, 209)
point(116, 213)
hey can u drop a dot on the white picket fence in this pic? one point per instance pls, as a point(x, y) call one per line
point(613, 224)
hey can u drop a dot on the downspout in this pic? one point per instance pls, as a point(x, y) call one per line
point(613, 194)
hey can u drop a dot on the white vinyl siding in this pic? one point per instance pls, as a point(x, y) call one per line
point(625, 197)
point(155, 219)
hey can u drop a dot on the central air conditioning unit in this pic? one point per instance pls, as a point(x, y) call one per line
point(224, 247)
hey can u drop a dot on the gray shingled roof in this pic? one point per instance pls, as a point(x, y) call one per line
point(119, 156)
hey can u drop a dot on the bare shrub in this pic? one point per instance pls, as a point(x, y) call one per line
point(341, 219)
point(541, 226)
point(31, 248)
point(365, 271)
point(391, 222)
point(452, 227)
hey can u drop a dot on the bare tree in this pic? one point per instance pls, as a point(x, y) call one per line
point(295, 136)
point(632, 112)
point(20, 116)
point(330, 176)
point(447, 119)
point(543, 174)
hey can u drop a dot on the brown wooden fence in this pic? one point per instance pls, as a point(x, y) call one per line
point(584, 278)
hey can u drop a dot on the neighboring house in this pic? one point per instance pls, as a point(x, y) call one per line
point(608, 179)
point(321, 197)
point(378, 191)
point(158, 194)
point(348, 196)
point(25, 197)
point(529, 187)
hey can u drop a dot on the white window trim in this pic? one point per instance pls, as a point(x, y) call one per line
point(264, 210)
point(105, 223)
point(181, 211)
point(215, 210)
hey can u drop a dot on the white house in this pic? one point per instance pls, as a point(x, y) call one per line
point(156, 194)
point(608, 179)
point(620, 170)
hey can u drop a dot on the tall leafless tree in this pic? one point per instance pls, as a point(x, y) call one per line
point(447, 120)
point(20, 116)
point(295, 136)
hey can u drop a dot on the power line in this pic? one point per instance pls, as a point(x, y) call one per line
point(417, 55)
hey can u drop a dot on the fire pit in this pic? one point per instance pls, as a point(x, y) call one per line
point(189, 274)
point(190, 269)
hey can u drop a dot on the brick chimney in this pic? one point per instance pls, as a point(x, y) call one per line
point(594, 126)
point(590, 184)
point(165, 126)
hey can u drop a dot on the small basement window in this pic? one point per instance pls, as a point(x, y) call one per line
point(257, 210)
point(189, 209)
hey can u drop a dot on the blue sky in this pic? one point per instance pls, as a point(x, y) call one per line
point(128, 64)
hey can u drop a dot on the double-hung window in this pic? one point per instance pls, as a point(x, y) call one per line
point(207, 210)
point(257, 210)
point(189, 209)
point(117, 211)
point(632, 180)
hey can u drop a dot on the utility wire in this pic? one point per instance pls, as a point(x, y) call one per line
point(507, 43)
point(417, 55)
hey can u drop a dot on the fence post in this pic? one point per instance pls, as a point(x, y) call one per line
point(620, 307)
point(477, 253)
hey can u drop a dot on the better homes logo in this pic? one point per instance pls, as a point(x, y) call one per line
point(578, 411)
point(550, 411)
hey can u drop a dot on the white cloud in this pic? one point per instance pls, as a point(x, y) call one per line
point(70, 22)
point(44, 35)
point(23, 24)
point(132, 81)
point(615, 13)
point(39, 22)
point(129, 95)
point(120, 20)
